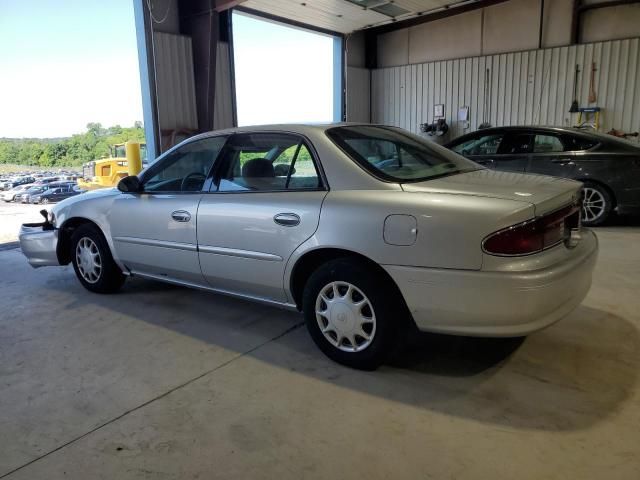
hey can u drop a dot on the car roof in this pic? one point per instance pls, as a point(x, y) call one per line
point(599, 137)
point(535, 128)
point(301, 128)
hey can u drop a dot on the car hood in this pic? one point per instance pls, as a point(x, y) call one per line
point(90, 195)
point(543, 192)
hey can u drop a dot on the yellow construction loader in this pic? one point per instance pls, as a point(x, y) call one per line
point(107, 172)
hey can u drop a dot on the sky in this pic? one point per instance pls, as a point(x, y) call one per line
point(66, 63)
point(283, 74)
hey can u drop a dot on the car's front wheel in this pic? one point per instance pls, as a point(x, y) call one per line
point(353, 313)
point(93, 262)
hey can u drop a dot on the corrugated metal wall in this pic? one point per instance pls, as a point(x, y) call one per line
point(524, 88)
point(358, 94)
point(223, 104)
point(175, 82)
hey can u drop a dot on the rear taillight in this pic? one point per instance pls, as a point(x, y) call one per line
point(535, 235)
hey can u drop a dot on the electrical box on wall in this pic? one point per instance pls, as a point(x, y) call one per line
point(463, 116)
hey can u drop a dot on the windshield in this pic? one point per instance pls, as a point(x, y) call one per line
point(396, 155)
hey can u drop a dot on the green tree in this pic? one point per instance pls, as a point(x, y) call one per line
point(73, 151)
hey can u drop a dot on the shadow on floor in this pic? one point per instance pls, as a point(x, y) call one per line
point(616, 220)
point(453, 356)
point(567, 377)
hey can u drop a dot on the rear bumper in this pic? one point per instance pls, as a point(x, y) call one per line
point(479, 303)
point(39, 243)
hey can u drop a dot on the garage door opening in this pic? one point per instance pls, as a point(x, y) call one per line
point(285, 74)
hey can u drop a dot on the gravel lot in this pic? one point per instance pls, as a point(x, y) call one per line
point(12, 215)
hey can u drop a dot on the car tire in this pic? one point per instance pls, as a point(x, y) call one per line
point(363, 294)
point(597, 204)
point(93, 262)
point(44, 200)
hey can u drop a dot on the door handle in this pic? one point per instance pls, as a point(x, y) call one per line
point(181, 216)
point(287, 219)
point(486, 161)
point(563, 161)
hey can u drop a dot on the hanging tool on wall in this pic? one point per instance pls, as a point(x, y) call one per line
point(592, 87)
point(486, 114)
point(574, 105)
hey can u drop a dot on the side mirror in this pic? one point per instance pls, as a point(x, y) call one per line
point(130, 184)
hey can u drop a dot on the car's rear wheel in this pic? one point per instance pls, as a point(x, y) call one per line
point(93, 262)
point(352, 313)
point(596, 205)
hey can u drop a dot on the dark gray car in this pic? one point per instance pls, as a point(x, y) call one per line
point(56, 193)
point(609, 167)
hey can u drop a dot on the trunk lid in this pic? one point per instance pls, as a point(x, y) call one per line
point(546, 194)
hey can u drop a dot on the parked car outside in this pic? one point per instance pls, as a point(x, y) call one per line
point(18, 196)
point(9, 195)
point(14, 182)
point(36, 189)
point(365, 229)
point(56, 194)
point(47, 180)
point(608, 166)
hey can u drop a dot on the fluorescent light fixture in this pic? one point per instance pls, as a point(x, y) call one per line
point(390, 10)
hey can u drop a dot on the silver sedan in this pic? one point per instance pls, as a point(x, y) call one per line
point(365, 229)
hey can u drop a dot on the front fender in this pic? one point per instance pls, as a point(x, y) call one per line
point(93, 207)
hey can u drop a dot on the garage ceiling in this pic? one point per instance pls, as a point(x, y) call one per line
point(345, 16)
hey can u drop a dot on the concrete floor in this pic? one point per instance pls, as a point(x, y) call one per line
point(161, 382)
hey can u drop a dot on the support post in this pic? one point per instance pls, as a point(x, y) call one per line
point(134, 160)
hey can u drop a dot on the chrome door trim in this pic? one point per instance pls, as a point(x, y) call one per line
point(157, 243)
point(234, 252)
point(266, 301)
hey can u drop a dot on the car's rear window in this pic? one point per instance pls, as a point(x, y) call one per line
point(396, 155)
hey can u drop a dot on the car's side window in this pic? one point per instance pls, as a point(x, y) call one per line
point(267, 162)
point(186, 168)
point(577, 144)
point(547, 144)
point(518, 143)
point(483, 145)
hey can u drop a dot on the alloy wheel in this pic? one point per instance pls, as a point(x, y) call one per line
point(345, 316)
point(593, 205)
point(88, 260)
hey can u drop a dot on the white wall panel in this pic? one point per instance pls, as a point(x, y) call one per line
point(175, 82)
point(525, 88)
